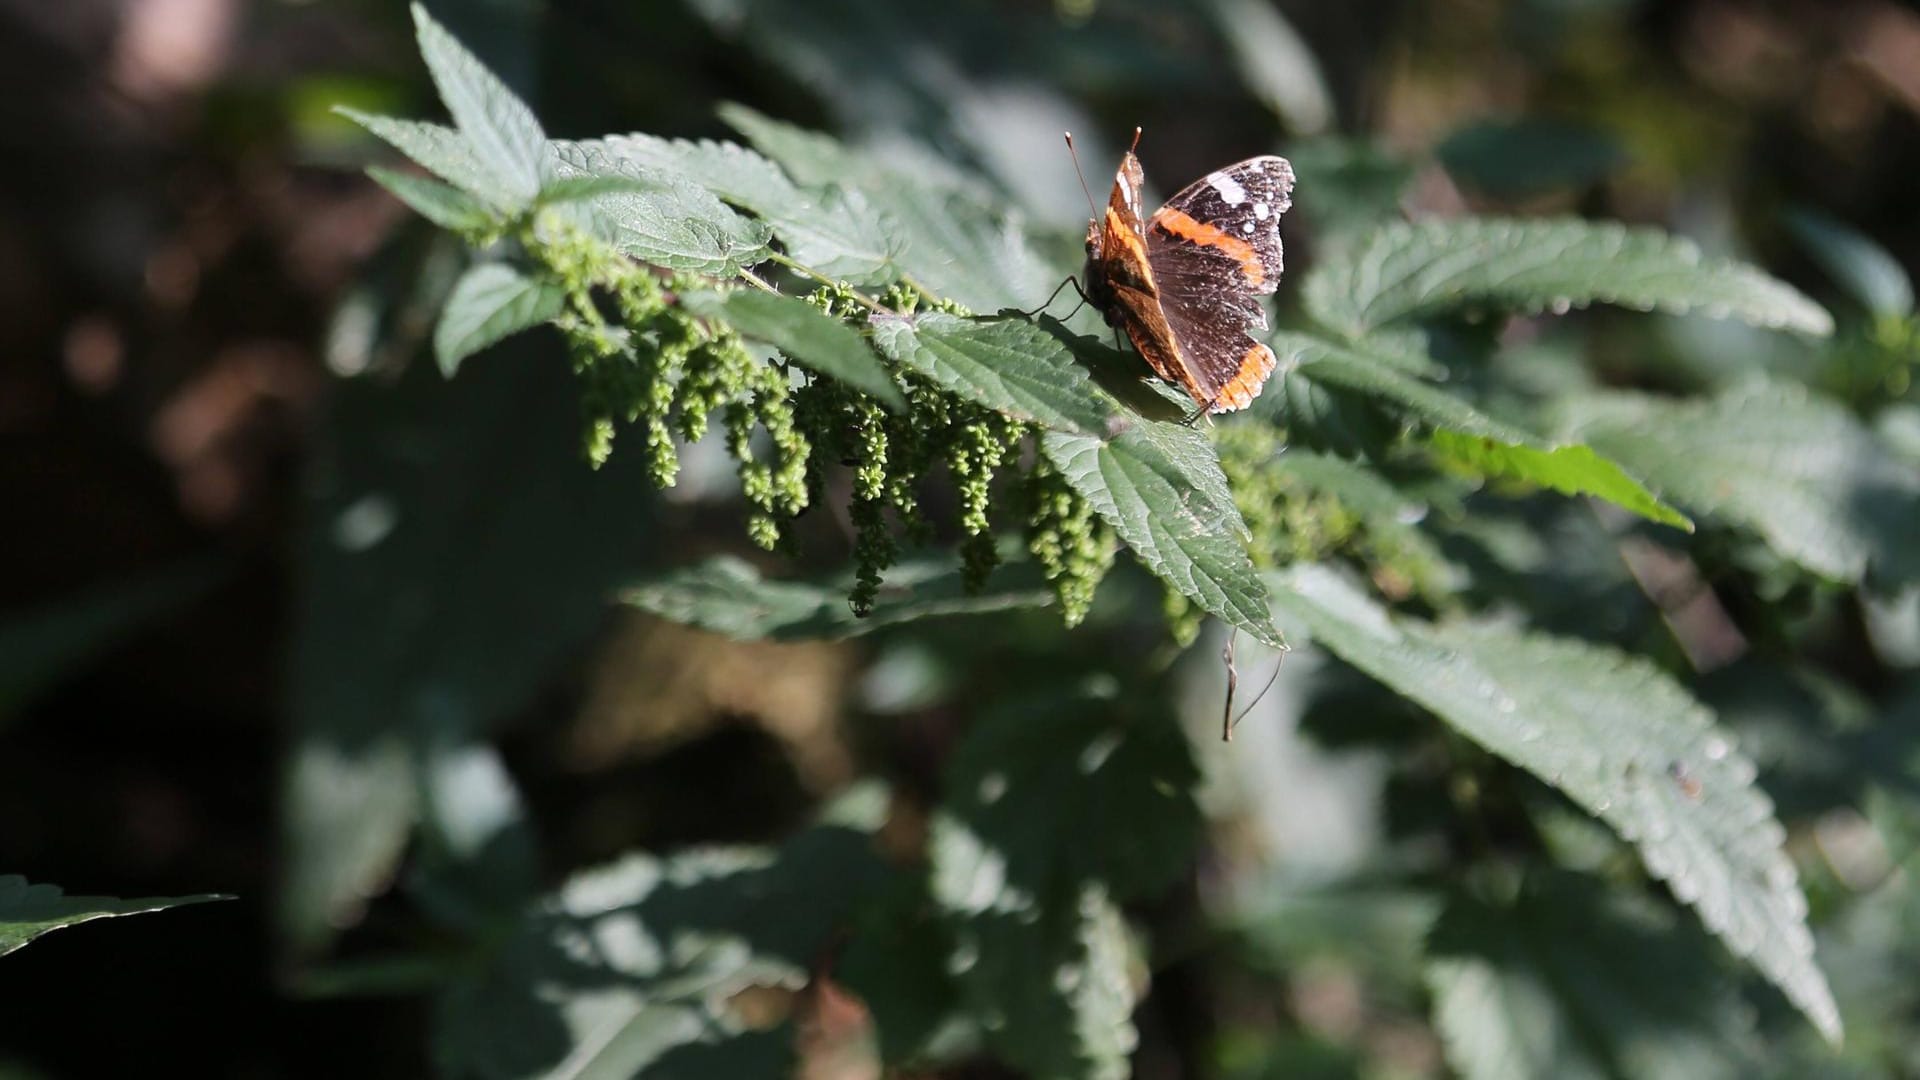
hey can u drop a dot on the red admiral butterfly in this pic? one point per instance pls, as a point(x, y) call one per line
point(1184, 281)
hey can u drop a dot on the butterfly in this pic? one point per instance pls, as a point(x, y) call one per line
point(1185, 282)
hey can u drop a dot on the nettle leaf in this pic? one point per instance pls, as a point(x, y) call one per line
point(1795, 468)
point(1619, 738)
point(443, 152)
point(1008, 365)
point(804, 333)
point(503, 133)
point(631, 963)
point(1409, 270)
point(953, 240)
point(1572, 979)
point(28, 911)
point(658, 218)
point(1865, 270)
point(1464, 435)
point(1159, 487)
point(1053, 812)
point(830, 230)
point(443, 204)
point(730, 597)
point(490, 302)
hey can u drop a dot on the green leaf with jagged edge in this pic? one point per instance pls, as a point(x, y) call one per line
point(957, 244)
point(828, 229)
point(502, 132)
point(441, 151)
point(1464, 435)
point(28, 911)
point(490, 302)
point(805, 334)
point(1044, 826)
point(655, 216)
point(730, 597)
point(629, 967)
point(1010, 366)
point(1160, 488)
point(1796, 468)
point(1408, 270)
point(1619, 738)
point(441, 203)
point(1572, 978)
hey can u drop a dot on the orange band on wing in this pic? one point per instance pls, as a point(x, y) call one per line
point(1255, 365)
point(1184, 226)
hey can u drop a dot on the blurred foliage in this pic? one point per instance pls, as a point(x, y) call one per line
point(677, 615)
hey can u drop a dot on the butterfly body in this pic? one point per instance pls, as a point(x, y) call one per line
point(1185, 282)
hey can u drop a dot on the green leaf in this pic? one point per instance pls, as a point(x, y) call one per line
point(28, 911)
point(1411, 270)
point(804, 333)
point(503, 133)
point(1007, 365)
point(1619, 738)
point(1465, 435)
point(1275, 63)
point(443, 152)
point(829, 230)
point(1865, 270)
point(443, 204)
point(629, 963)
point(1795, 468)
point(1518, 159)
point(1571, 470)
point(1160, 488)
point(1571, 979)
point(656, 217)
point(490, 302)
point(730, 597)
point(1054, 810)
point(456, 549)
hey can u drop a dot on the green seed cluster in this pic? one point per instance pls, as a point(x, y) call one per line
point(646, 364)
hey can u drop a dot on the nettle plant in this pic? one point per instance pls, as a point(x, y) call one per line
point(833, 311)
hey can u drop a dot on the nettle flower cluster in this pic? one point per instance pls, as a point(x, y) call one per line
point(649, 365)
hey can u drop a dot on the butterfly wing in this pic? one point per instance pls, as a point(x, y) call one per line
point(1121, 279)
point(1213, 249)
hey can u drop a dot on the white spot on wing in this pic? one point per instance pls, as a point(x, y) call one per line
point(1247, 227)
point(1230, 190)
point(1260, 211)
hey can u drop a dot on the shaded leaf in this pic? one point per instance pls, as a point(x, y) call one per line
point(1516, 159)
point(41, 646)
point(730, 597)
point(804, 333)
point(1617, 736)
point(1571, 979)
point(1409, 270)
point(28, 911)
point(1275, 63)
point(441, 151)
point(1795, 468)
point(1159, 487)
point(1862, 268)
point(443, 204)
point(502, 132)
point(629, 963)
point(492, 301)
point(1007, 365)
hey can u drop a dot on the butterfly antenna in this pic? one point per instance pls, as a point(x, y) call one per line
point(1271, 679)
point(1075, 155)
point(1136, 140)
point(1233, 683)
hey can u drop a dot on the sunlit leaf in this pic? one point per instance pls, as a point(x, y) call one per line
point(490, 302)
point(1008, 365)
point(503, 133)
point(1619, 738)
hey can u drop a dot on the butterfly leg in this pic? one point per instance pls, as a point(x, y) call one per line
point(1071, 280)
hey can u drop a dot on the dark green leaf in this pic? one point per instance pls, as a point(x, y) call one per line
point(491, 302)
point(28, 911)
point(1008, 365)
point(1410, 270)
point(805, 334)
point(1865, 270)
point(1160, 488)
point(1619, 738)
point(1523, 158)
point(503, 133)
point(1572, 979)
point(729, 597)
